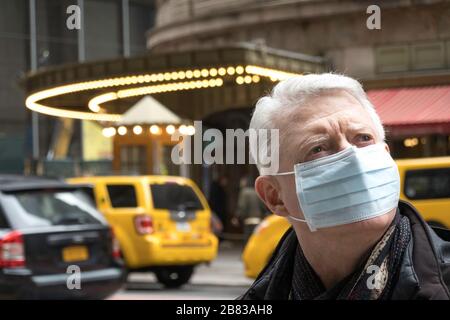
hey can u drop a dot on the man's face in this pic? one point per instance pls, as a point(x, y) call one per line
point(326, 125)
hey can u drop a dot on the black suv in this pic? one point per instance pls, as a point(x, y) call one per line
point(53, 243)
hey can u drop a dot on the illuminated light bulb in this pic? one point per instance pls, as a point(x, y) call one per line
point(122, 130)
point(94, 103)
point(181, 75)
point(197, 73)
point(160, 77)
point(255, 79)
point(105, 132)
point(167, 76)
point(239, 69)
point(190, 130)
point(137, 130)
point(222, 71)
point(213, 72)
point(94, 107)
point(248, 79)
point(230, 71)
point(131, 80)
point(170, 129)
point(183, 129)
point(154, 129)
point(212, 82)
point(240, 80)
point(204, 73)
point(174, 75)
point(109, 132)
point(219, 82)
point(189, 74)
point(198, 84)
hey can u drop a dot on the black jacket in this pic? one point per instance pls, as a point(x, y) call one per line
point(424, 271)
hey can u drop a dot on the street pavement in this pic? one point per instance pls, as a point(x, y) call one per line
point(222, 279)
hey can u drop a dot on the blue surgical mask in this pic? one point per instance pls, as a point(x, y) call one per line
point(352, 185)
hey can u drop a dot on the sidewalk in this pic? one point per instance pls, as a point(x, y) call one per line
point(226, 270)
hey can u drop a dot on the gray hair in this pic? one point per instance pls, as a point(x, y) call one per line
point(295, 92)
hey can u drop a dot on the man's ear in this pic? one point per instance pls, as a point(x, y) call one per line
point(268, 190)
point(386, 146)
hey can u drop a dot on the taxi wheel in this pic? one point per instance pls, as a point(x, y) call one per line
point(174, 276)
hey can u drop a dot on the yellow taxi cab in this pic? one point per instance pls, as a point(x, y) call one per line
point(162, 223)
point(425, 183)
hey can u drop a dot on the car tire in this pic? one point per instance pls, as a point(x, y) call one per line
point(174, 276)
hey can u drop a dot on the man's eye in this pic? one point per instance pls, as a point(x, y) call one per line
point(317, 149)
point(365, 137)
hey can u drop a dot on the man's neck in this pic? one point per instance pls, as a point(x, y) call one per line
point(334, 258)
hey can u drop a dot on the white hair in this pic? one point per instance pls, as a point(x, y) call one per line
point(294, 92)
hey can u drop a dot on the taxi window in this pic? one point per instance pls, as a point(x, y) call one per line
point(172, 196)
point(122, 195)
point(427, 184)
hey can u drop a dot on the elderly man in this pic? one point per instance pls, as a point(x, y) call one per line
point(351, 237)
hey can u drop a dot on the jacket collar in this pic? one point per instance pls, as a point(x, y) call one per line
point(420, 273)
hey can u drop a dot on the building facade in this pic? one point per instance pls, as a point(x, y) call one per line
point(34, 36)
point(412, 48)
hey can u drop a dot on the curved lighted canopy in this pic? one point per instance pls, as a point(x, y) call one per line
point(73, 93)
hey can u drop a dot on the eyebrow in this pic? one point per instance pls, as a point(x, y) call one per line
point(311, 140)
point(319, 133)
point(357, 127)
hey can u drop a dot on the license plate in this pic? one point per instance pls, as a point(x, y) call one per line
point(75, 253)
point(183, 227)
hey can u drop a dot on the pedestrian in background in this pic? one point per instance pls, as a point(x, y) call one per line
point(218, 198)
point(250, 209)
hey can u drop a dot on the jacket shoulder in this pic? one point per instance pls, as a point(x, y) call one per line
point(258, 290)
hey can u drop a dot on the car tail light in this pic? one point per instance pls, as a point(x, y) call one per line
point(12, 253)
point(143, 224)
point(115, 246)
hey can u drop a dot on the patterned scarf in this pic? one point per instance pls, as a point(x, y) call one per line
point(372, 281)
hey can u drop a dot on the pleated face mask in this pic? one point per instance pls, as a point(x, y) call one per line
point(352, 185)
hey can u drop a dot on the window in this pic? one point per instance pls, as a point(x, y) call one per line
point(3, 221)
point(49, 207)
point(427, 184)
point(142, 18)
point(122, 196)
point(102, 20)
point(56, 44)
point(392, 58)
point(133, 159)
point(173, 196)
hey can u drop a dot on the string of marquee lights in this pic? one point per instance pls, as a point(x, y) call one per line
point(162, 82)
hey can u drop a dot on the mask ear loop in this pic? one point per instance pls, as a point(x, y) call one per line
point(282, 173)
point(289, 216)
point(311, 228)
